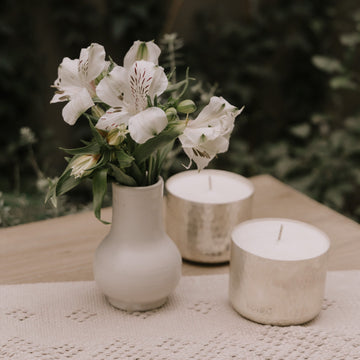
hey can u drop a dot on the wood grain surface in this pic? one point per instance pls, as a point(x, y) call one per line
point(62, 249)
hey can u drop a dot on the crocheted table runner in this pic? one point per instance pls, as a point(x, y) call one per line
point(73, 321)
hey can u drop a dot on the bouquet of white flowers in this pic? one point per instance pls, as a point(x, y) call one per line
point(135, 116)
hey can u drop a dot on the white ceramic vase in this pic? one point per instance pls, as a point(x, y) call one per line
point(137, 265)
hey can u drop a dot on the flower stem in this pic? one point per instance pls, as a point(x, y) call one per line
point(150, 172)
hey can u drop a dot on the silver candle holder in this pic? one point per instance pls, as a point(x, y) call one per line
point(202, 209)
point(278, 287)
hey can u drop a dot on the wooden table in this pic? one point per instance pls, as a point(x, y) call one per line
point(62, 249)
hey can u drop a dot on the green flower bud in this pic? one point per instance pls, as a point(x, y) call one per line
point(171, 113)
point(117, 135)
point(186, 107)
point(83, 165)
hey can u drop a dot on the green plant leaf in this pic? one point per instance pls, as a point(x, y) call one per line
point(301, 131)
point(123, 158)
point(66, 182)
point(342, 82)
point(285, 166)
point(177, 86)
point(136, 173)
point(334, 197)
point(51, 193)
point(350, 39)
point(99, 191)
point(105, 158)
point(144, 151)
point(162, 154)
point(327, 64)
point(121, 177)
point(97, 136)
point(92, 148)
point(91, 118)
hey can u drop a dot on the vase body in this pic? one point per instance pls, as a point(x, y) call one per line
point(137, 265)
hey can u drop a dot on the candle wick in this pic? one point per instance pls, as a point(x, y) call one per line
point(210, 183)
point(280, 232)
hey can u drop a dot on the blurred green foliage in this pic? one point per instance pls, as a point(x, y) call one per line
point(292, 64)
point(295, 67)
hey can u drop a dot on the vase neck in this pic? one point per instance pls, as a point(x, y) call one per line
point(138, 210)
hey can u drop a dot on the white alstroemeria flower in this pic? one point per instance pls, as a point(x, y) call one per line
point(209, 133)
point(126, 91)
point(141, 50)
point(75, 82)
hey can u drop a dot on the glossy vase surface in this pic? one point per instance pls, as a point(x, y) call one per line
point(137, 266)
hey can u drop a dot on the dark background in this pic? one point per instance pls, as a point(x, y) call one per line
point(301, 122)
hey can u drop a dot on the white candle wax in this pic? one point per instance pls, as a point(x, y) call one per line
point(278, 271)
point(209, 186)
point(298, 241)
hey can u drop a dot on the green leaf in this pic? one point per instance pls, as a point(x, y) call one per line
point(51, 193)
point(99, 191)
point(91, 118)
point(123, 158)
point(337, 138)
point(105, 158)
point(330, 65)
point(285, 166)
point(350, 39)
point(356, 15)
point(66, 182)
point(353, 125)
point(334, 197)
point(162, 154)
point(136, 173)
point(177, 86)
point(92, 148)
point(184, 84)
point(121, 177)
point(97, 136)
point(342, 82)
point(301, 131)
point(144, 151)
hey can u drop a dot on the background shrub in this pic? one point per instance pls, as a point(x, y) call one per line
point(294, 65)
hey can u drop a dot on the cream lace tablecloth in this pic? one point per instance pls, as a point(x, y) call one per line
point(73, 321)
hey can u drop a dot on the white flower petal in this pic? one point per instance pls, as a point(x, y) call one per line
point(204, 150)
point(141, 76)
point(78, 104)
point(194, 137)
point(66, 93)
point(217, 108)
point(91, 62)
point(147, 124)
point(60, 96)
point(159, 82)
point(201, 162)
point(68, 74)
point(112, 118)
point(151, 54)
point(113, 87)
point(216, 146)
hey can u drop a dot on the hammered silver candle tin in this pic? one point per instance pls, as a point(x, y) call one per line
point(202, 231)
point(277, 292)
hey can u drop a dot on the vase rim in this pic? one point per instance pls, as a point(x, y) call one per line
point(139, 188)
